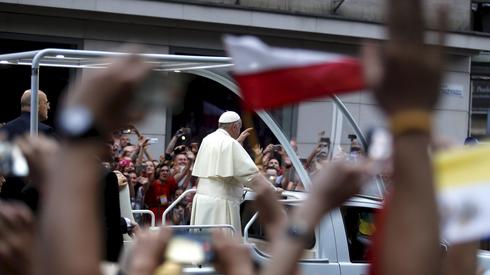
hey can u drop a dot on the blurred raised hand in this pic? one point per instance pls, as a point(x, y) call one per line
point(107, 93)
point(17, 235)
point(40, 152)
point(232, 257)
point(333, 184)
point(406, 81)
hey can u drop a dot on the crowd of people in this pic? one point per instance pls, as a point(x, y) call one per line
point(154, 183)
point(65, 236)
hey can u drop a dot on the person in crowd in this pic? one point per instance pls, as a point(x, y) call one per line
point(126, 166)
point(275, 158)
point(178, 192)
point(21, 124)
point(223, 168)
point(146, 171)
point(171, 149)
point(274, 164)
point(121, 140)
point(124, 141)
point(178, 215)
point(290, 179)
point(181, 160)
point(272, 174)
point(114, 225)
point(319, 152)
point(141, 150)
point(182, 168)
point(160, 193)
point(16, 188)
point(135, 189)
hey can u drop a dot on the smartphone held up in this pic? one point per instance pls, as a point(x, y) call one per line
point(190, 248)
point(12, 161)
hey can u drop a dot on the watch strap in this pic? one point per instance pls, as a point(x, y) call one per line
point(77, 124)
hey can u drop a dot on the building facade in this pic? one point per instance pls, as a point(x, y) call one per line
point(196, 27)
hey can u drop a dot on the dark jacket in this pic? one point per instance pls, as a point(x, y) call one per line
point(112, 218)
point(21, 126)
point(15, 188)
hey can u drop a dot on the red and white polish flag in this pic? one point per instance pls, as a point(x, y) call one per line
point(271, 77)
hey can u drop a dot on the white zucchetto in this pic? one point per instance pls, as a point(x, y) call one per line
point(229, 117)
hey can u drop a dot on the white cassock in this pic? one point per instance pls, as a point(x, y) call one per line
point(223, 168)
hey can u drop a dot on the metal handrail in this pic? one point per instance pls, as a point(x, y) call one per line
point(145, 211)
point(247, 227)
point(173, 204)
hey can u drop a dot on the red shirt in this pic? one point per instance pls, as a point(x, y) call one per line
point(159, 196)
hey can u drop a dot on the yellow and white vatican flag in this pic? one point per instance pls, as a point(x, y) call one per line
point(463, 188)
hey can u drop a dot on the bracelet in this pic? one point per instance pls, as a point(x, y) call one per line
point(411, 121)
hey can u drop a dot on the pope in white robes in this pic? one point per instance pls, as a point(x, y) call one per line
point(223, 168)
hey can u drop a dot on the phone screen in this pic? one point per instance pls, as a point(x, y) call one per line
point(190, 248)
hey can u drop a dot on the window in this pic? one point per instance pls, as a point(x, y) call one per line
point(480, 10)
point(359, 228)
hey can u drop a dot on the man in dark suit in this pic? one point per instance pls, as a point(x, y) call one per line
point(15, 188)
point(21, 124)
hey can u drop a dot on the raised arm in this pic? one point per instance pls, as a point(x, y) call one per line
point(147, 154)
point(179, 175)
point(406, 84)
point(312, 156)
point(170, 147)
point(142, 143)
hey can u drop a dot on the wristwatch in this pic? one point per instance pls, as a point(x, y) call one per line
point(77, 123)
